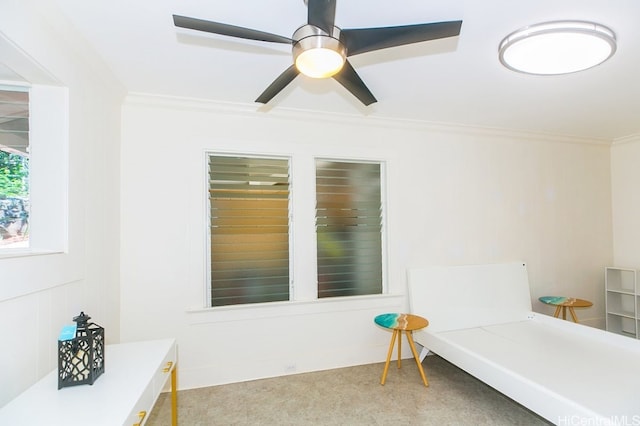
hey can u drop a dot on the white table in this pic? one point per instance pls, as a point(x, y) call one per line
point(135, 374)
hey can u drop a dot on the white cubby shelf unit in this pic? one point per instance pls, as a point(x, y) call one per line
point(622, 299)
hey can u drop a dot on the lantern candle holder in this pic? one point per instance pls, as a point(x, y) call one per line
point(81, 358)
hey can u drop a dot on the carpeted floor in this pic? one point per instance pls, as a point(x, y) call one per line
point(350, 396)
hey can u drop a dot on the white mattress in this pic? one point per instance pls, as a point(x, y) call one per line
point(558, 369)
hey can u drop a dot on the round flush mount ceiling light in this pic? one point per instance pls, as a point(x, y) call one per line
point(559, 47)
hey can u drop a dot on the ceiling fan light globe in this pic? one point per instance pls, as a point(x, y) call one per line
point(319, 62)
point(317, 54)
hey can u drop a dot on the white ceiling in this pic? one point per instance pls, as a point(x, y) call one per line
point(458, 80)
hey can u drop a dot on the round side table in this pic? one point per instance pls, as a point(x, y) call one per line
point(562, 303)
point(399, 323)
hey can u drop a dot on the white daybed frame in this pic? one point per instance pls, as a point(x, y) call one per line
point(480, 319)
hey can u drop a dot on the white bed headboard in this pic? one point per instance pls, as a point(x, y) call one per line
point(457, 297)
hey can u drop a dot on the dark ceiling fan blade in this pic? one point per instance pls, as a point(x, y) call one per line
point(278, 84)
point(361, 40)
point(227, 30)
point(350, 79)
point(322, 14)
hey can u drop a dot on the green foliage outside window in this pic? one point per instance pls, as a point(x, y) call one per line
point(14, 175)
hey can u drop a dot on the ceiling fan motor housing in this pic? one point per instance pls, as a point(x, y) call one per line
point(309, 38)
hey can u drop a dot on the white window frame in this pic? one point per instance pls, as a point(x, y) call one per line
point(48, 172)
point(383, 212)
point(303, 290)
point(46, 262)
point(207, 223)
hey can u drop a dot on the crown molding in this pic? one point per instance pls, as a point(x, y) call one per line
point(635, 138)
point(264, 111)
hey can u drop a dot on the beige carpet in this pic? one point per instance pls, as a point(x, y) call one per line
point(350, 396)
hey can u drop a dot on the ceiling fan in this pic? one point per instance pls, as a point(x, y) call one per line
point(320, 49)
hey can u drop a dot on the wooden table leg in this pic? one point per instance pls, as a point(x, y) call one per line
point(573, 314)
point(386, 365)
point(399, 348)
point(416, 357)
point(174, 398)
point(564, 312)
point(557, 312)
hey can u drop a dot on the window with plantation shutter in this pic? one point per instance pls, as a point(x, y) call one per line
point(249, 234)
point(349, 228)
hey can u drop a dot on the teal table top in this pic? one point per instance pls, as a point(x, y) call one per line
point(401, 321)
point(553, 300)
point(565, 301)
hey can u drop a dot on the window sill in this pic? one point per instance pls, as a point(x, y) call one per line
point(292, 308)
point(25, 252)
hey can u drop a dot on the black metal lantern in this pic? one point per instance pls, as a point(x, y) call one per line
point(81, 359)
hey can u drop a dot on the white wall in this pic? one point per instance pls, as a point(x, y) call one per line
point(86, 276)
point(625, 176)
point(455, 196)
